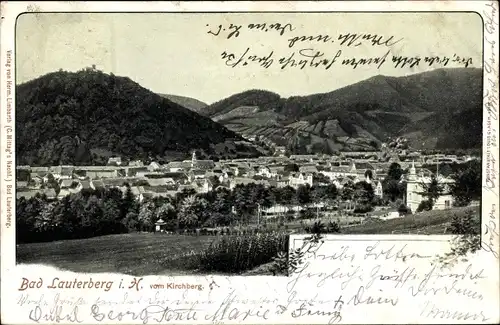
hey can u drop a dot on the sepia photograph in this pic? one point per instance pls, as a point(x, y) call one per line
point(197, 143)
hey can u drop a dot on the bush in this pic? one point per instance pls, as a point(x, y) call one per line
point(425, 205)
point(332, 228)
point(467, 224)
point(307, 214)
point(363, 208)
point(403, 209)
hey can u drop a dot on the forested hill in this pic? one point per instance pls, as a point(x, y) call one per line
point(439, 109)
point(82, 117)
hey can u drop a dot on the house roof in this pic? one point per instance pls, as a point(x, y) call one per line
point(26, 194)
point(66, 183)
point(179, 164)
point(186, 187)
point(276, 169)
point(363, 165)
point(175, 175)
point(201, 182)
point(308, 169)
point(85, 184)
point(39, 169)
point(198, 171)
point(117, 181)
point(160, 189)
point(136, 163)
point(63, 192)
point(245, 181)
point(204, 164)
point(136, 190)
point(308, 157)
point(343, 169)
point(98, 168)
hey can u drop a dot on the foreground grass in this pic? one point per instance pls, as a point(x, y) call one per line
point(142, 254)
point(136, 253)
point(434, 222)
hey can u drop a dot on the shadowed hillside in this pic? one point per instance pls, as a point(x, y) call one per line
point(82, 117)
point(440, 109)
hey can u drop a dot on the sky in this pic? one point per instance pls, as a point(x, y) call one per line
point(174, 53)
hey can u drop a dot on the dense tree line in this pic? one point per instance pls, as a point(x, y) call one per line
point(109, 211)
point(76, 118)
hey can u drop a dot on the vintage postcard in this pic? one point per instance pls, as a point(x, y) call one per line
point(249, 162)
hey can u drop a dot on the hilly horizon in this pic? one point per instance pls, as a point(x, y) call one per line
point(87, 116)
point(190, 103)
point(439, 109)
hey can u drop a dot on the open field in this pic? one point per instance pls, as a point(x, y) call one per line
point(136, 253)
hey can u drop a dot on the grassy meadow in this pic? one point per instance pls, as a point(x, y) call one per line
point(133, 253)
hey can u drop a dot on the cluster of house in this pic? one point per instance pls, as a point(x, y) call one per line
point(202, 176)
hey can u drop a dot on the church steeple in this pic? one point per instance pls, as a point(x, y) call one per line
point(193, 159)
point(413, 172)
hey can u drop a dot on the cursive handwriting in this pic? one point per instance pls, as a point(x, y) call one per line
point(349, 39)
point(227, 311)
point(156, 313)
point(338, 273)
point(361, 298)
point(488, 243)
point(435, 312)
point(425, 287)
point(375, 252)
point(234, 30)
point(344, 254)
point(55, 314)
point(335, 316)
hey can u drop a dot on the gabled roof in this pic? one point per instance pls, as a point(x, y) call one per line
point(117, 181)
point(363, 165)
point(245, 181)
point(26, 194)
point(66, 183)
point(204, 164)
point(85, 184)
point(179, 164)
point(35, 169)
point(98, 183)
point(308, 169)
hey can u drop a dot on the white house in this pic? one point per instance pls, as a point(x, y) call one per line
point(415, 187)
point(300, 179)
point(265, 171)
point(379, 191)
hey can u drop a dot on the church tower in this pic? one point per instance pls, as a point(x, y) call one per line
point(193, 159)
point(412, 200)
point(413, 173)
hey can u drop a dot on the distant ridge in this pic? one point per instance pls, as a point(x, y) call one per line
point(187, 102)
point(439, 109)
